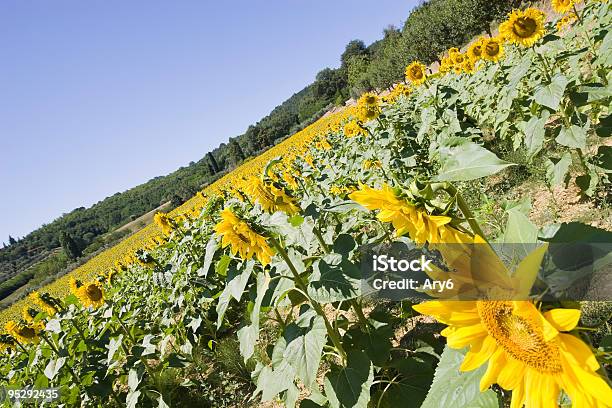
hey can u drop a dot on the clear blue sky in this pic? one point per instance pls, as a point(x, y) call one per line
point(98, 96)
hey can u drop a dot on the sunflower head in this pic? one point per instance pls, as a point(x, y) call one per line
point(562, 6)
point(523, 27)
point(492, 49)
point(91, 294)
point(368, 107)
point(241, 238)
point(415, 73)
point(23, 331)
point(474, 51)
point(46, 302)
point(164, 222)
point(29, 313)
point(352, 129)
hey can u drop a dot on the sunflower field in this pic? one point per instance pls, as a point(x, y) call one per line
point(251, 293)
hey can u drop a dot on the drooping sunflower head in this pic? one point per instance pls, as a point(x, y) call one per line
point(45, 301)
point(352, 129)
point(523, 27)
point(368, 107)
point(164, 222)
point(562, 6)
point(91, 294)
point(492, 49)
point(241, 238)
point(23, 331)
point(415, 73)
point(29, 313)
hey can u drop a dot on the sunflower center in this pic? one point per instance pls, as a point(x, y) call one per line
point(492, 49)
point(520, 336)
point(94, 293)
point(416, 72)
point(27, 332)
point(477, 51)
point(524, 27)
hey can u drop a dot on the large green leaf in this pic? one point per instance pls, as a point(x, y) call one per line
point(452, 388)
point(573, 136)
point(334, 282)
point(248, 335)
point(550, 95)
point(469, 161)
point(349, 387)
point(556, 172)
point(534, 133)
point(305, 347)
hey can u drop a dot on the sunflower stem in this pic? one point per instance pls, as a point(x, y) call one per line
point(465, 209)
point(332, 332)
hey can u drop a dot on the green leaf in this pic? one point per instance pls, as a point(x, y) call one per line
point(113, 346)
point(469, 161)
point(335, 282)
point(211, 248)
point(305, 347)
point(132, 399)
point(248, 335)
point(134, 379)
point(534, 133)
point(53, 367)
point(349, 387)
point(344, 244)
point(550, 95)
point(271, 382)
point(573, 136)
point(222, 264)
point(452, 388)
point(555, 173)
point(604, 127)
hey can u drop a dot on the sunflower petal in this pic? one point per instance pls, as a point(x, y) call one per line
point(563, 319)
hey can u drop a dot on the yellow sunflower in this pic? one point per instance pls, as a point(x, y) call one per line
point(474, 51)
point(45, 302)
point(523, 27)
point(242, 239)
point(270, 197)
point(492, 49)
point(28, 313)
point(24, 332)
point(352, 129)
point(91, 294)
point(562, 6)
point(415, 73)
point(290, 180)
point(406, 218)
point(164, 222)
point(368, 107)
point(565, 21)
point(527, 351)
point(398, 90)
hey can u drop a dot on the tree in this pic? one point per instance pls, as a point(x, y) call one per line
point(236, 154)
point(12, 241)
point(70, 247)
point(353, 48)
point(213, 162)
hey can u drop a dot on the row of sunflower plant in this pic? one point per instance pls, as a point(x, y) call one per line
point(274, 260)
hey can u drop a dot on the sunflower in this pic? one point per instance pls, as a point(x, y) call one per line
point(368, 107)
point(91, 294)
point(398, 90)
point(562, 6)
point(352, 129)
point(458, 58)
point(45, 301)
point(290, 180)
point(270, 197)
point(29, 313)
point(527, 350)
point(323, 144)
point(75, 284)
point(164, 222)
point(566, 21)
point(474, 51)
point(24, 332)
point(446, 65)
point(492, 49)
point(242, 239)
point(468, 66)
point(407, 218)
point(523, 27)
point(415, 73)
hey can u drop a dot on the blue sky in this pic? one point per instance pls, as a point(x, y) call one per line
point(99, 96)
